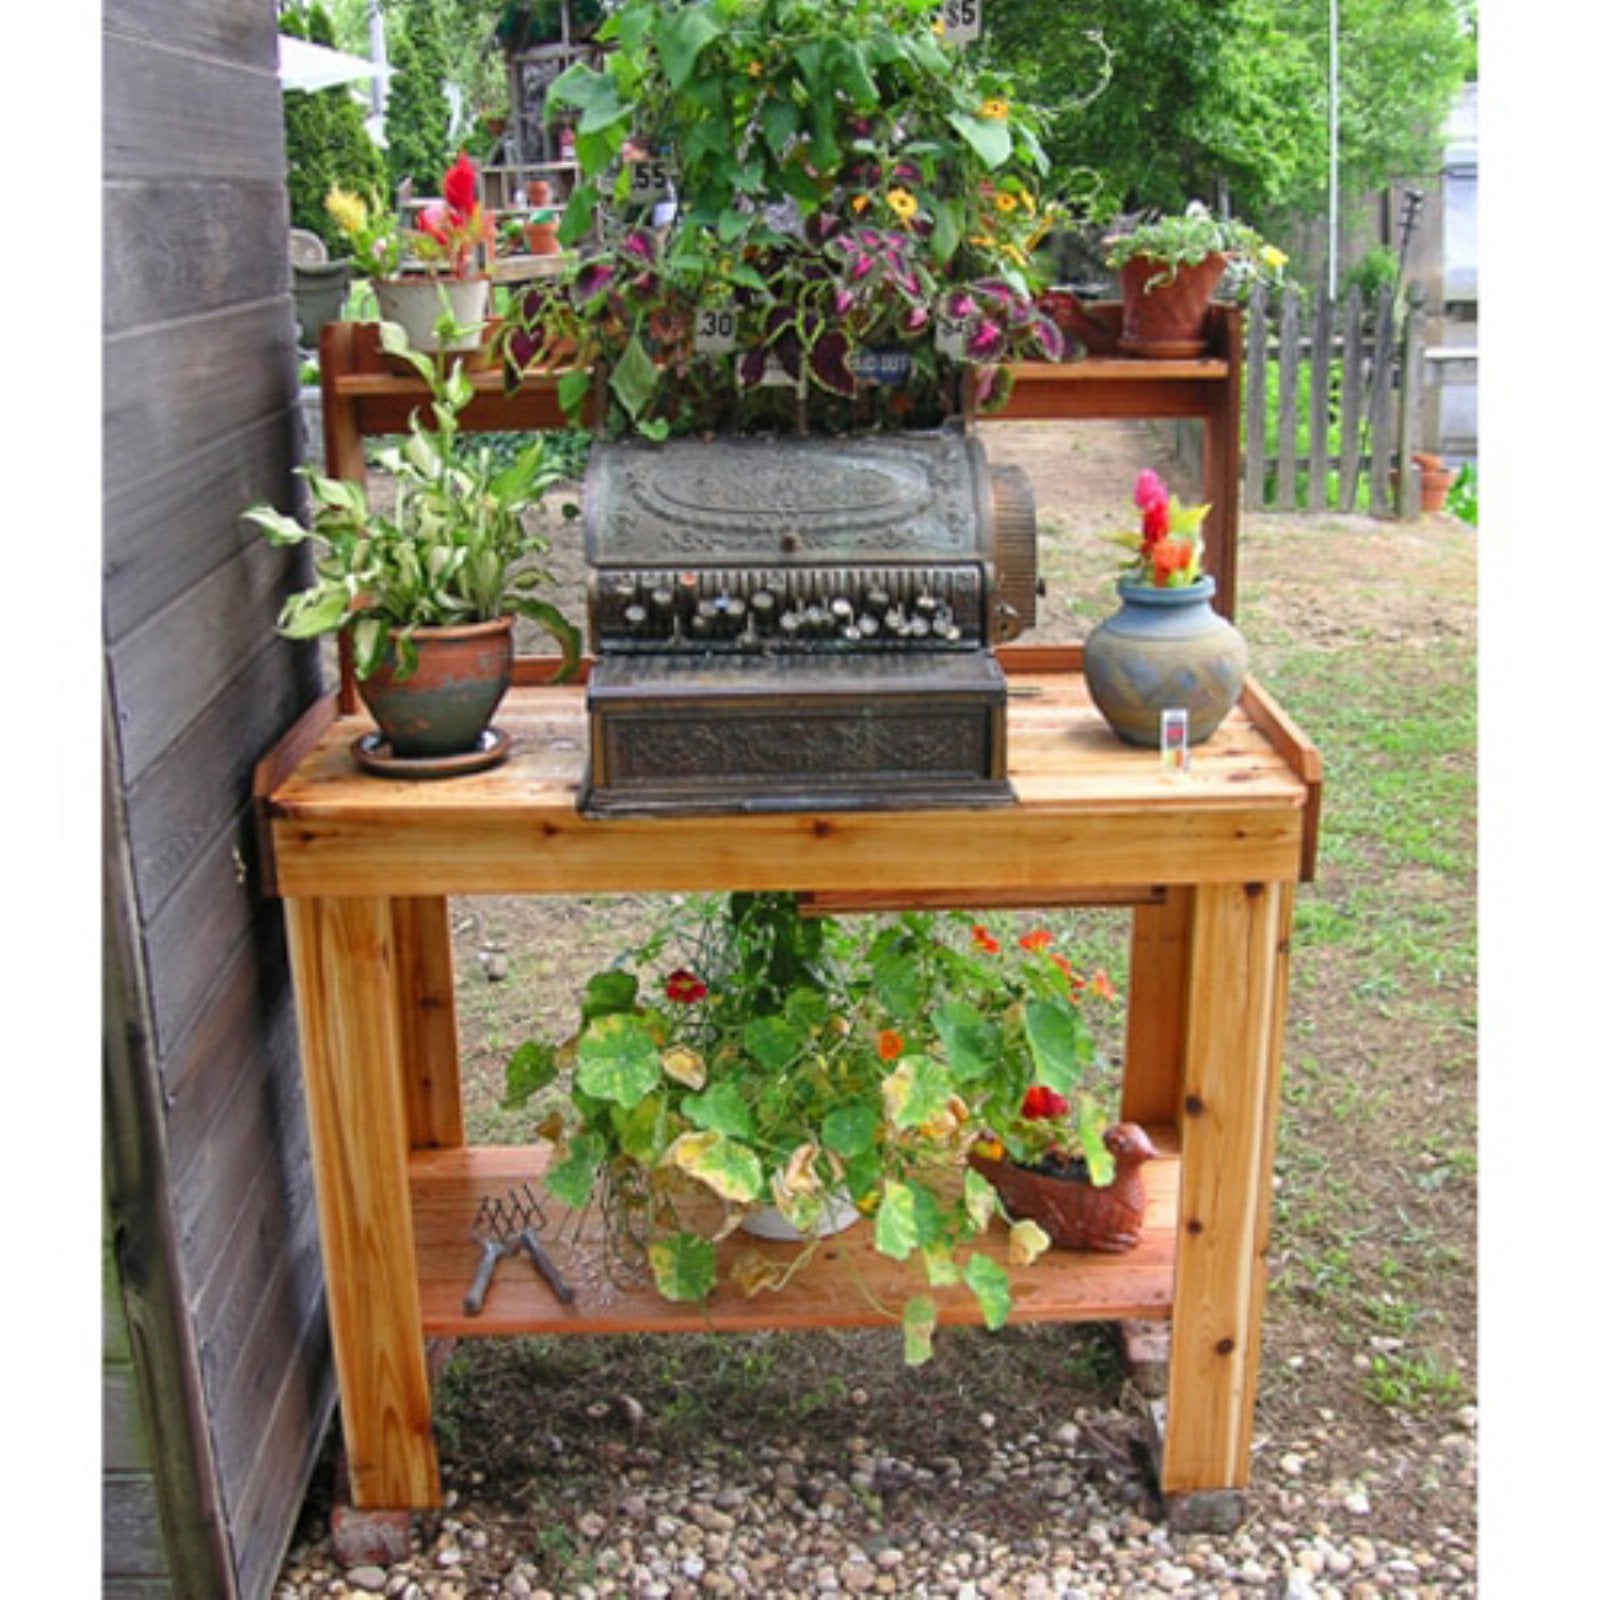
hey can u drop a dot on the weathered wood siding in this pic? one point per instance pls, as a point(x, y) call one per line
point(218, 1388)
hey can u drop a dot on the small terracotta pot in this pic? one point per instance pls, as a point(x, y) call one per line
point(538, 192)
point(1166, 320)
point(543, 238)
point(1436, 480)
point(443, 708)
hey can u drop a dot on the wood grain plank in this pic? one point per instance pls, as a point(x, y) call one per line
point(343, 957)
point(448, 1185)
point(1158, 976)
point(1230, 1084)
point(425, 985)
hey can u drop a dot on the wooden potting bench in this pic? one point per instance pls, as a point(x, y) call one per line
point(1207, 861)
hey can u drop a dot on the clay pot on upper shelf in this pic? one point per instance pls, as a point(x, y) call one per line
point(1164, 650)
point(443, 709)
point(1165, 306)
point(1074, 1212)
point(415, 303)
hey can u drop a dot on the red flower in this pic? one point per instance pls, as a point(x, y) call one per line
point(1157, 523)
point(1100, 984)
point(890, 1045)
point(1041, 1103)
point(683, 988)
point(985, 940)
point(461, 186)
point(1038, 939)
point(1168, 557)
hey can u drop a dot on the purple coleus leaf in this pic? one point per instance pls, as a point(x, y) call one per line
point(639, 245)
point(828, 367)
point(592, 280)
point(985, 340)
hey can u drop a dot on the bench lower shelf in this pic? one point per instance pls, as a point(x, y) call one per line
point(448, 1185)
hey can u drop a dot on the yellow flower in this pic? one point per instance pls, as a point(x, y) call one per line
point(995, 108)
point(1273, 258)
point(938, 27)
point(347, 209)
point(1006, 202)
point(903, 205)
point(980, 241)
point(1028, 203)
point(860, 203)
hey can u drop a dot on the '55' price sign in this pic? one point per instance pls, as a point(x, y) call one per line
point(963, 20)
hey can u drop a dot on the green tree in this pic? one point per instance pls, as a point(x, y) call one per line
point(417, 112)
point(325, 138)
point(1214, 96)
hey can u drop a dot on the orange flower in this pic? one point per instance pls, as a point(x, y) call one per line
point(1036, 940)
point(1168, 557)
point(890, 1045)
point(1100, 984)
point(985, 940)
point(860, 203)
point(1065, 966)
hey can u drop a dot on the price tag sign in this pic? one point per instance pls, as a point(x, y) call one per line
point(950, 338)
point(1175, 740)
point(888, 367)
point(650, 181)
point(963, 20)
point(716, 331)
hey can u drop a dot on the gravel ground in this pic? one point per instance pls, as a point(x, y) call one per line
point(783, 1522)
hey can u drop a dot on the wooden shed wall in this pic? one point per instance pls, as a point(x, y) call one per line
point(209, 1194)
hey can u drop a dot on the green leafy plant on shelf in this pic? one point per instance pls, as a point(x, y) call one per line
point(453, 549)
point(1189, 237)
point(843, 183)
point(747, 1056)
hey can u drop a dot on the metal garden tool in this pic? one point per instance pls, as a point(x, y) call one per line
point(505, 1224)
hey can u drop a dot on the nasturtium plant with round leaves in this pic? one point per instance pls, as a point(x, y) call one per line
point(845, 182)
point(746, 1055)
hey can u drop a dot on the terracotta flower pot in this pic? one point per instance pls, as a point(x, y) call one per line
point(1166, 320)
point(443, 708)
point(1436, 480)
point(543, 238)
point(1074, 1212)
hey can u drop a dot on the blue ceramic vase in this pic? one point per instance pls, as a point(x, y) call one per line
point(1164, 649)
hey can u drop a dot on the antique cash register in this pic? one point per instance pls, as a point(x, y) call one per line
point(802, 623)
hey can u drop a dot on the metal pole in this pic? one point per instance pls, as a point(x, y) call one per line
point(380, 57)
point(1333, 148)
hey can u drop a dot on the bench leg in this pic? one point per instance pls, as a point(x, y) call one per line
point(347, 982)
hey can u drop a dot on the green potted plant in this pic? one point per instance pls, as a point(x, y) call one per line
point(857, 207)
point(1171, 266)
point(748, 1064)
point(1165, 649)
point(427, 592)
point(436, 271)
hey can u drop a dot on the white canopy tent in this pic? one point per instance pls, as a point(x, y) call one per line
point(303, 65)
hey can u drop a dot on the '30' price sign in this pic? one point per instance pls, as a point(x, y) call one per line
point(716, 331)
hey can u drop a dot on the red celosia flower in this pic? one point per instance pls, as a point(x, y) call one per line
point(1157, 523)
point(683, 988)
point(461, 186)
point(1149, 490)
point(890, 1045)
point(984, 940)
point(1036, 940)
point(1041, 1103)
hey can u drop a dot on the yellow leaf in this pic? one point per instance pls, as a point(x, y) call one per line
point(1027, 1243)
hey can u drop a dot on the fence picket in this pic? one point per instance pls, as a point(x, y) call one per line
point(1255, 400)
point(1351, 388)
point(1321, 368)
point(1288, 398)
point(1409, 439)
point(1380, 409)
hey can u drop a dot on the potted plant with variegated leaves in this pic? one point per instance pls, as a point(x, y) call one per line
point(749, 1062)
point(426, 593)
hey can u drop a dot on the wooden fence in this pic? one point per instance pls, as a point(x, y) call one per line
point(1333, 402)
